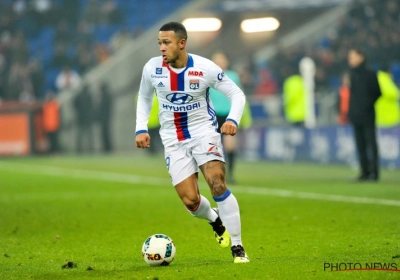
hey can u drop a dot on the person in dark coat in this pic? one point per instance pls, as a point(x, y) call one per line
point(84, 112)
point(104, 116)
point(364, 91)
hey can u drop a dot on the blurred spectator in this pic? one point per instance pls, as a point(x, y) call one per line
point(6, 45)
point(266, 84)
point(19, 48)
point(120, 39)
point(13, 86)
point(43, 12)
point(51, 120)
point(104, 116)
point(60, 58)
point(343, 99)
point(37, 78)
point(387, 106)
point(2, 77)
point(27, 91)
point(71, 11)
point(6, 21)
point(83, 105)
point(247, 80)
point(110, 14)
point(19, 85)
point(4, 66)
point(364, 91)
point(63, 35)
point(23, 18)
point(102, 53)
point(19, 80)
point(19, 7)
point(92, 13)
point(67, 79)
point(294, 100)
point(86, 58)
point(83, 35)
point(42, 6)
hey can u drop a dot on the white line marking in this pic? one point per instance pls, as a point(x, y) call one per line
point(79, 173)
point(135, 179)
point(316, 196)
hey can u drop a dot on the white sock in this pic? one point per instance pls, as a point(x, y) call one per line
point(229, 212)
point(204, 211)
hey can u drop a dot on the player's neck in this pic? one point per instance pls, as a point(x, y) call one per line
point(181, 62)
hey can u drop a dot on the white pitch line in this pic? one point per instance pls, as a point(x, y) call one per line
point(81, 174)
point(316, 196)
point(126, 178)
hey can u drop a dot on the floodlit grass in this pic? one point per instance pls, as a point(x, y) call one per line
point(97, 211)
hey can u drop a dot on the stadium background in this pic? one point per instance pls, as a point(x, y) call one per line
point(110, 41)
point(85, 215)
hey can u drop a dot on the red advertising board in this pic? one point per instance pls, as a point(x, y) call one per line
point(14, 134)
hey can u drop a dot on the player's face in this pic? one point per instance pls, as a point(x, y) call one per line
point(171, 46)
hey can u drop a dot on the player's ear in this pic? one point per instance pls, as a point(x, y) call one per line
point(182, 44)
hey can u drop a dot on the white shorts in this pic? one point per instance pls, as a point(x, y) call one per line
point(184, 158)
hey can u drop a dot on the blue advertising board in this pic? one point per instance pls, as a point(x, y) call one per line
point(332, 144)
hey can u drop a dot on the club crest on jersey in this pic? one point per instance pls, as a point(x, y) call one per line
point(213, 150)
point(179, 98)
point(158, 71)
point(195, 73)
point(194, 84)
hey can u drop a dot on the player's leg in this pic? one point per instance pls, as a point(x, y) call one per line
point(211, 162)
point(214, 173)
point(184, 173)
point(197, 205)
point(200, 207)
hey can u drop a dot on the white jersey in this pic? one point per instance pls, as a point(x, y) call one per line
point(185, 108)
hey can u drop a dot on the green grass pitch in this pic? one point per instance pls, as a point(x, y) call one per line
point(96, 212)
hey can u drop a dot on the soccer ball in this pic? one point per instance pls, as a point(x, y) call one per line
point(158, 249)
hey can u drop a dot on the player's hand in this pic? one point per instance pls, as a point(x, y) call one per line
point(143, 140)
point(228, 127)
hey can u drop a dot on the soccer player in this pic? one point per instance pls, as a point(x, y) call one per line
point(189, 130)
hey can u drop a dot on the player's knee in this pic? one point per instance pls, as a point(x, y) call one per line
point(217, 184)
point(191, 202)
